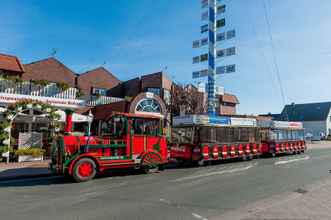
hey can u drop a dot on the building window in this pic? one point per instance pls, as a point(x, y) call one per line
point(221, 9)
point(231, 68)
point(220, 23)
point(204, 41)
point(204, 57)
point(148, 105)
point(220, 37)
point(99, 91)
point(204, 3)
point(196, 44)
point(204, 28)
point(204, 16)
point(230, 34)
point(196, 59)
point(155, 91)
point(220, 53)
point(231, 51)
point(220, 70)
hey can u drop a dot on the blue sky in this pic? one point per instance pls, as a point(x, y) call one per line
point(136, 37)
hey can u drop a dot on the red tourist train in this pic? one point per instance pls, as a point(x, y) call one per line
point(138, 141)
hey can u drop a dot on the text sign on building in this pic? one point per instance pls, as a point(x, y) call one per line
point(65, 103)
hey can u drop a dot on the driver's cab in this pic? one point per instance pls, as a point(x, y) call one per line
point(140, 132)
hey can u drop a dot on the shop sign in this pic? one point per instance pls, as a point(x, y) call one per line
point(65, 103)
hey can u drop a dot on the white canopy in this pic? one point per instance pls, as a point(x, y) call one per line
point(75, 117)
point(3, 109)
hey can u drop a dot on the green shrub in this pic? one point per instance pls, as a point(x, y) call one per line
point(62, 86)
point(34, 152)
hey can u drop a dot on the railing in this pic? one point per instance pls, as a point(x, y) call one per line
point(102, 100)
point(32, 89)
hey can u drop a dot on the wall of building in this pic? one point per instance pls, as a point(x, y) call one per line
point(328, 124)
point(98, 78)
point(51, 70)
point(229, 109)
point(151, 81)
point(315, 127)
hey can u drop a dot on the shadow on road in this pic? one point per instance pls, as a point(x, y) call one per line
point(59, 180)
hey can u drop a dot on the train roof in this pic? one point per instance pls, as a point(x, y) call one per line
point(212, 121)
point(280, 124)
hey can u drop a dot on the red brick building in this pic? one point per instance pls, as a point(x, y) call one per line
point(96, 81)
point(227, 104)
point(49, 69)
point(10, 65)
point(156, 83)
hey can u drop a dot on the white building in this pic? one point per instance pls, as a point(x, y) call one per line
point(316, 117)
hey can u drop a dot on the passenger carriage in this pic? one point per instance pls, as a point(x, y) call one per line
point(201, 139)
point(281, 137)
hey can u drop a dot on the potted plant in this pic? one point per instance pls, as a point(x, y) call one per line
point(40, 82)
point(62, 86)
point(79, 93)
point(30, 154)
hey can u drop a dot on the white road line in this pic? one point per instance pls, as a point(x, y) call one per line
point(165, 201)
point(292, 161)
point(213, 173)
point(195, 215)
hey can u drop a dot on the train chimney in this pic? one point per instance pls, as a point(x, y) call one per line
point(68, 125)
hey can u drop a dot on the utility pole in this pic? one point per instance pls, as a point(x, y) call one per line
point(212, 58)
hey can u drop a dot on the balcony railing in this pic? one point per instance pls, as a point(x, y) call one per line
point(32, 89)
point(102, 100)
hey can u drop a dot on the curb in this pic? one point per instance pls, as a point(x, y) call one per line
point(21, 177)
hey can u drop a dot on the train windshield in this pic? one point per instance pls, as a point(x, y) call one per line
point(142, 126)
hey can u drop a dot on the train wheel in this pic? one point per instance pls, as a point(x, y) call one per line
point(84, 170)
point(273, 154)
point(150, 163)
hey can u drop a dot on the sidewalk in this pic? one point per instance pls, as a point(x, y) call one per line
point(13, 171)
point(308, 203)
point(319, 145)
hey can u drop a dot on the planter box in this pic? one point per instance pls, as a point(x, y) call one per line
point(29, 158)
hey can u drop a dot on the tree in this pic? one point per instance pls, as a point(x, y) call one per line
point(187, 100)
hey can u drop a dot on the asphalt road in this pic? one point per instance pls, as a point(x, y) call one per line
point(183, 193)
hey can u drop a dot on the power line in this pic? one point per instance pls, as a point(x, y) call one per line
point(273, 52)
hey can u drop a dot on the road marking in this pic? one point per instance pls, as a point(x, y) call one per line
point(165, 201)
point(292, 161)
point(195, 215)
point(213, 173)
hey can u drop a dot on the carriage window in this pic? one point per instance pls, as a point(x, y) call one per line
point(146, 127)
point(115, 127)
